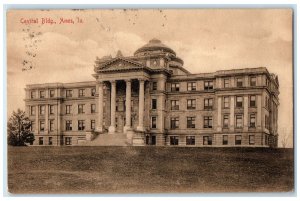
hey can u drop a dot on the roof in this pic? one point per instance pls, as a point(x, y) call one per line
point(153, 45)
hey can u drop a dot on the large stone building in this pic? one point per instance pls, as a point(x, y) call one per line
point(151, 99)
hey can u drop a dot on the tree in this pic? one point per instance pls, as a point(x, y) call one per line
point(284, 138)
point(18, 129)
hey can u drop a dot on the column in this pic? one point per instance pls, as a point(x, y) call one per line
point(259, 109)
point(46, 118)
point(100, 107)
point(112, 127)
point(128, 106)
point(36, 119)
point(231, 127)
point(59, 141)
point(140, 126)
point(219, 115)
point(245, 127)
point(246, 83)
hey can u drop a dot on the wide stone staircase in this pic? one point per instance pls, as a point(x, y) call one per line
point(105, 139)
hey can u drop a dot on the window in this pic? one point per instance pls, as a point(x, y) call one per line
point(239, 82)
point(190, 122)
point(267, 102)
point(191, 86)
point(266, 140)
point(154, 86)
point(51, 93)
point(266, 122)
point(226, 102)
point(42, 125)
point(116, 122)
point(68, 109)
point(174, 104)
point(208, 85)
point(81, 125)
point(153, 140)
point(69, 93)
point(175, 87)
point(208, 103)
point(207, 140)
point(239, 101)
point(190, 140)
point(32, 126)
point(42, 110)
point(93, 108)
point(174, 122)
point(32, 94)
point(80, 108)
point(51, 125)
point(225, 139)
point(51, 108)
point(226, 83)
point(238, 140)
point(68, 125)
point(93, 91)
point(41, 141)
point(252, 101)
point(173, 140)
point(153, 122)
point(252, 120)
point(154, 104)
point(251, 139)
point(68, 140)
point(267, 82)
point(225, 121)
point(252, 81)
point(239, 121)
point(117, 105)
point(32, 110)
point(42, 94)
point(191, 104)
point(50, 141)
point(207, 122)
point(93, 124)
point(81, 92)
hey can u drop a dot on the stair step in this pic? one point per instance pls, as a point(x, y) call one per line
point(117, 139)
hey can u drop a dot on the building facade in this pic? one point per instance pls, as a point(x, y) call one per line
point(153, 100)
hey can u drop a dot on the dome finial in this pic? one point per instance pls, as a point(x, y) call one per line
point(119, 54)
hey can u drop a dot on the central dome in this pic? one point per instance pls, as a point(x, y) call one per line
point(154, 45)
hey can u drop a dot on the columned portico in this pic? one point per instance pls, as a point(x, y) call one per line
point(140, 126)
point(100, 107)
point(128, 106)
point(112, 127)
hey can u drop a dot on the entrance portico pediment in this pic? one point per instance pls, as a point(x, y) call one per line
point(121, 64)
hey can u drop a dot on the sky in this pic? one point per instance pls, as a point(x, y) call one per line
point(206, 39)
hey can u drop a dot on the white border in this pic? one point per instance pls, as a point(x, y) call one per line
point(146, 3)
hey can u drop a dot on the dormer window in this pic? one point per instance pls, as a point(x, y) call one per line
point(252, 81)
point(239, 82)
point(154, 86)
point(175, 87)
point(208, 85)
point(191, 86)
point(32, 94)
point(93, 91)
point(42, 94)
point(226, 83)
point(81, 93)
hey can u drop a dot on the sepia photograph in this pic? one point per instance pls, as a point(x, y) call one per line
point(150, 101)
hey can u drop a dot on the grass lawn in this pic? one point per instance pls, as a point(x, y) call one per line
point(149, 170)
